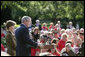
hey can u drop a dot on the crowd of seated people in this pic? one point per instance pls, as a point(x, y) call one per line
point(67, 42)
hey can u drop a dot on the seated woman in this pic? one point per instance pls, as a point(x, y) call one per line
point(54, 51)
point(77, 45)
point(51, 26)
point(44, 27)
point(62, 41)
point(35, 34)
point(57, 31)
point(67, 50)
point(50, 34)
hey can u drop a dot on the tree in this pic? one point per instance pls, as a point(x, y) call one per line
point(43, 10)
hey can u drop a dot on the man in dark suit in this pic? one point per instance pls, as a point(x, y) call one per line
point(24, 43)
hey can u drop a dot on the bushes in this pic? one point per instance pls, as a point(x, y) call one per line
point(17, 25)
point(52, 10)
point(3, 41)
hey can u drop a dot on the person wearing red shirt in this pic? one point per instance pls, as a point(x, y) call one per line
point(57, 31)
point(2, 35)
point(33, 51)
point(61, 43)
point(56, 27)
point(2, 47)
point(44, 27)
point(55, 51)
point(51, 26)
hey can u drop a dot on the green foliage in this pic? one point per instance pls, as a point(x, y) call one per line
point(50, 10)
point(16, 26)
point(3, 41)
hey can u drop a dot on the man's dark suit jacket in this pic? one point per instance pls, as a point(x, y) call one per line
point(24, 43)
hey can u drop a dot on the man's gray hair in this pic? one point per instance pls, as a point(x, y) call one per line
point(24, 18)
